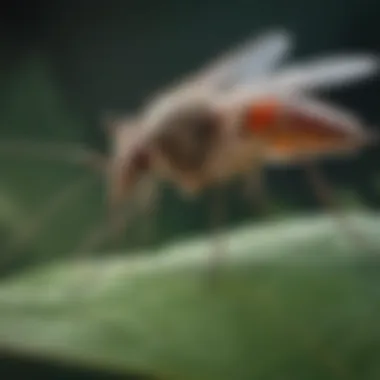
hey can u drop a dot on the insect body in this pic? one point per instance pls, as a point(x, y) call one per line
point(237, 115)
point(202, 144)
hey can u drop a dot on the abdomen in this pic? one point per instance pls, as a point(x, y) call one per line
point(298, 127)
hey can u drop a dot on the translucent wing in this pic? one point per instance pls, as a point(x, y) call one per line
point(327, 72)
point(321, 74)
point(252, 59)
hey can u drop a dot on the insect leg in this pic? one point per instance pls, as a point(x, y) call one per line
point(144, 205)
point(62, 152)
point(103, 231)
point(325, 195)
point(36, 223)
point(218, 219)
point(254, 192)
point(148, 202)
point(120, 215)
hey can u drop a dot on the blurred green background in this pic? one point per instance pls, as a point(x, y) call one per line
point(64, 63)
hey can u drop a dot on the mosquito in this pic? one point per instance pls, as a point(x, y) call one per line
point(239, 114)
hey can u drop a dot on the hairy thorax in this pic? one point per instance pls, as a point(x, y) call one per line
point(198, 147)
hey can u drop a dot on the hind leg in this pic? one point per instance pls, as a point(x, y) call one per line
point(324, 193)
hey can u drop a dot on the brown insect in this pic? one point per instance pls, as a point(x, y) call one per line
point(233, 118)
point(236, 117)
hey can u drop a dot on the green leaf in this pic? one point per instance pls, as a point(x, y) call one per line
point(294, 300)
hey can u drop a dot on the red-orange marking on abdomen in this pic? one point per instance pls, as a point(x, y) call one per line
point(263, 114)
